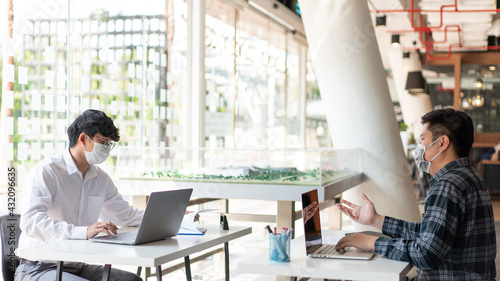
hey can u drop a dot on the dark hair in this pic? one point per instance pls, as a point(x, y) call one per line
point(92, 122)
point(457, 125)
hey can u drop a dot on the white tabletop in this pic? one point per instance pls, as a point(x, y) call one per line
point(378, 268)
point(148, 255)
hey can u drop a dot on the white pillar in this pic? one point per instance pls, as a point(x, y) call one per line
point(360, 113)
point(412, 106)
point(194, 99)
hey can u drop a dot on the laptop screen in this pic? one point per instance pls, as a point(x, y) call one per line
point(312, 226)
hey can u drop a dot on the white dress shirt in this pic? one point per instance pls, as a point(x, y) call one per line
point(60, 204)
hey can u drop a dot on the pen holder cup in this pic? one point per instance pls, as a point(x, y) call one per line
point(279, 248)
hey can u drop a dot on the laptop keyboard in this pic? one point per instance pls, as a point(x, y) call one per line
point(328, 249)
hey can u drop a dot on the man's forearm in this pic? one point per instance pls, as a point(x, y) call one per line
point(378, 221)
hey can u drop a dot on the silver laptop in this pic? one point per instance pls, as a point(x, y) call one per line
point(162, 219)
point(314, 241)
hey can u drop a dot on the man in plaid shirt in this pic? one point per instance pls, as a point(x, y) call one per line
point(456, 238)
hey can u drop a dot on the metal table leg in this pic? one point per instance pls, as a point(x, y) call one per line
point(59, 270)
point(187, 265)
point(226, 259)
point(158, 273)
point(107, 272)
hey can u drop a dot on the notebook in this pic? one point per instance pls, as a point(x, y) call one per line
point(162, 219)
point(314, 240)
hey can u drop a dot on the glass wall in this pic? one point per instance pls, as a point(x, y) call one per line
point(130, 60)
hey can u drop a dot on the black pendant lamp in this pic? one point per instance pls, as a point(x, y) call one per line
point(415, 83)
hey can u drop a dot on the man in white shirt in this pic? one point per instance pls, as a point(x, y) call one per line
point(67, 194)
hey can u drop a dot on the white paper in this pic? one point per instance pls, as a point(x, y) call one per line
point(49, 78)
point(22, 125)
point(9, 72)
point(151, 55)
point(49, 102)
point(113, 68)
point(138, 72)
point(163, 95)
point(48, 149)
point(123, 108)
point(36, 101)
point(95, 104)
point(163, 111)
point(131, 89)
point(61, 127)
point(8, 154)
point(36, 126)
point(156, 111)
point(49, 54)
point(156, 60)
point(131, 111)
point(163, 60)
point(8, 125)
point(75, 105)
point(114, 107)
point(61, 80)
point(86, 63)
point(85, 84)
point(114, 87)
point(131, 70)
point(8, 47)
point(22, 75)
point(188, 225)
point(36, 150)
point(139, 53)
point(22, 151)
point(60, 147)
point(61, 104)
point(61, 35)
point(105, 85)
point(85, 104)
point(8, 99)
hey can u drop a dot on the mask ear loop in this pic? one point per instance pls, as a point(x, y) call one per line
point(438, 152)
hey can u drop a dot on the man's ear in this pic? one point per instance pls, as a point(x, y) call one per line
point(83, 138)
point(444, 143)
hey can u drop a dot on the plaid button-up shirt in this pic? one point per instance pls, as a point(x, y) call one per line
point(456, 238)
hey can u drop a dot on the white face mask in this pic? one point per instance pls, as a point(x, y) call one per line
point(418, 156)
point(99, 154)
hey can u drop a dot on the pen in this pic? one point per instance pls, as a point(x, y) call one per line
point(283, 231)
point(269, 229)
point(274, 230)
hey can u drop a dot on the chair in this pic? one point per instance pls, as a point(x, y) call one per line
point(9, 234)
point(491, 175)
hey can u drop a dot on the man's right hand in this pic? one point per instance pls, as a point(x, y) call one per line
point(366, 214)
point(105, 227)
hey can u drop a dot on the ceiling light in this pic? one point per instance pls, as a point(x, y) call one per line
point(415, 83)
point(478, 101)
point(395, 40)
point(479, 83)
point(381, 20)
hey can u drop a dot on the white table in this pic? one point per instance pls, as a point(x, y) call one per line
point(284, 194)
point(152, 254)
point(378, 268)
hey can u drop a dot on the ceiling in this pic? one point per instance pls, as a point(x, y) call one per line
point(476, 19)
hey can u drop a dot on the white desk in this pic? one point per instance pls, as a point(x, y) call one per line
point(152, 254)
point(284, 194)
point(378, 268)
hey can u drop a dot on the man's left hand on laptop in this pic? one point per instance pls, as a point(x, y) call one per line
point(104, 227)
point(358, 240)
